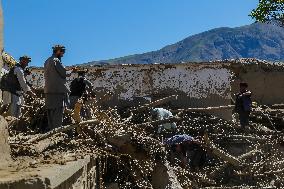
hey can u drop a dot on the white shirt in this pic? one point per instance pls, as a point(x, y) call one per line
point(163, 114)
point(19, 72)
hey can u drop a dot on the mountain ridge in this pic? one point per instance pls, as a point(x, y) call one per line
point(257, 40)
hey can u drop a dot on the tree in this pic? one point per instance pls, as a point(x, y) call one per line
point(269, 11)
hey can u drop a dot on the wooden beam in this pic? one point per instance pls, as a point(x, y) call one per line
point(47, 143)
point(204, 109)
point(154, 104)
point(246, 137)
point(60, 130)
point(220, 153)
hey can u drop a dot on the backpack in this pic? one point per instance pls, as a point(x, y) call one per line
point(77, 87)
point(9, 82)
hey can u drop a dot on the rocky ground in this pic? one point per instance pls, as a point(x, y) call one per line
point(132, 156)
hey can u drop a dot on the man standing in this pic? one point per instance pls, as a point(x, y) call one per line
point(243, 104)
point(78, 87)
point(14, 85)
point(55, 88)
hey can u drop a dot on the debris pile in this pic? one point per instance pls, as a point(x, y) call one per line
point(131, 155)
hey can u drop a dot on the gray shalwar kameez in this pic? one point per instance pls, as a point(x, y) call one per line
point(55, 91)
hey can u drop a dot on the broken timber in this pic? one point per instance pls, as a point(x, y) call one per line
point(204, 109)
point(220, 153)
point(61, 129)
point(155, 103)
point(47, 143)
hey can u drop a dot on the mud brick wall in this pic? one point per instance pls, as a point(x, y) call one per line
point(198, 85)
point(266, 81)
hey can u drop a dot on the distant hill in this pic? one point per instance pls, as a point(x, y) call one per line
point(261, 41)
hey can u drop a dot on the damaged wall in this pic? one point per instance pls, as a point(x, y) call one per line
point(265, 80)
point(198, 85)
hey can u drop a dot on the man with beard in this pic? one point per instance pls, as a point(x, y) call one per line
point(56, 91)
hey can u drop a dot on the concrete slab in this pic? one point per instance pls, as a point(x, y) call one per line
point(76, 174)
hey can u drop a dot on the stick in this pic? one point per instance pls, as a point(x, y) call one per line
point(204, 109)
point(249, 154)
point(248, 137)
point(61, 129)
point(220, 153)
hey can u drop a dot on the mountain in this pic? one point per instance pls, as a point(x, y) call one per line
point(261, 41)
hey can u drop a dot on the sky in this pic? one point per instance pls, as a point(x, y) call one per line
point(104, 29)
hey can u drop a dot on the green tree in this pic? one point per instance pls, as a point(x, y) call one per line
point(269, 11)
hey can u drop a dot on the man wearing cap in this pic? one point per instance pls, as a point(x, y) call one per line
point(16, 84)
point(55, 88)
point(243, 104)
point(78, 87)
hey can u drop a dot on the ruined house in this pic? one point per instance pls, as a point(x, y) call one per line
point(198, 85)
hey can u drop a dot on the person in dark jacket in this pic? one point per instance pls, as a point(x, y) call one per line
point(55, 89)
point(79, 86)
point(243, 104)
point(186, 150)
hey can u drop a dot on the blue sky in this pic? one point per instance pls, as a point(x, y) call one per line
point(104, 29)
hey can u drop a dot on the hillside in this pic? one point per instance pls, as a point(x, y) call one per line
point(261, 41)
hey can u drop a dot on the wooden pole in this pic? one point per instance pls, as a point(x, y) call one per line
point(220, 153)
point(204, 109)
point(61, 129)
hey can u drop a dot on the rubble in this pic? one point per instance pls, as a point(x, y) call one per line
point(131, 155)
